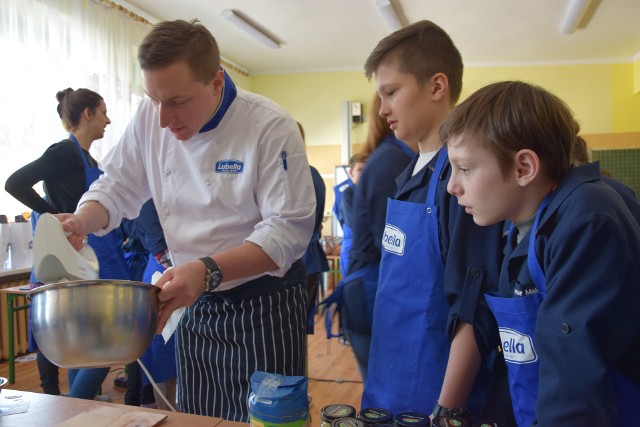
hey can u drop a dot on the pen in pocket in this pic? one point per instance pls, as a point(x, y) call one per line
point(284, 159)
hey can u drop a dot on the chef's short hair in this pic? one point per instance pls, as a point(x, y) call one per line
point(173, 41)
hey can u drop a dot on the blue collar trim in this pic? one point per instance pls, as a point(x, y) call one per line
point(228, 95)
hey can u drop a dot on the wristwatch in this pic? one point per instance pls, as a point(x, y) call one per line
point(441, 411)
point(213, 276)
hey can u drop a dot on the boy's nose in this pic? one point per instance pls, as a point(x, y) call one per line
point(452, 187)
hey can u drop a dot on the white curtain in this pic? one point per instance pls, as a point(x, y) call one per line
point(47, 46)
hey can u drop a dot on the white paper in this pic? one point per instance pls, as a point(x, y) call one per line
point(172, 324)
point(175, 317)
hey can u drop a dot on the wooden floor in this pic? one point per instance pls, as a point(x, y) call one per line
point(333, 376)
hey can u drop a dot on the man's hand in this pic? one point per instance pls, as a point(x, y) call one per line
point(75, 225)
point(180, 286)
point(88, 218)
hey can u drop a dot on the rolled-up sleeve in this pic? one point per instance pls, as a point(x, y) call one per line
point(285, 197)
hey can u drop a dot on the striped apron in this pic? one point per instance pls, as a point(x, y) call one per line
point(227, 336)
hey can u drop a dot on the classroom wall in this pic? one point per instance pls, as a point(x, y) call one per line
point(605, 99)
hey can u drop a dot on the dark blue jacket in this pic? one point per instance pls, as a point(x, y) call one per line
point(346, 207)
point(588, 245)
point(376, 184)
point(314, 258)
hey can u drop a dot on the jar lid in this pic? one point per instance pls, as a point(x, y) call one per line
point(347, 422)
point(410, 419)
point(449, 421)
point(485, 423)
point(333, 412)
point(375, 415)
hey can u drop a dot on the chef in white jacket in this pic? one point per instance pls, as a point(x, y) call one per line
point(228, 173)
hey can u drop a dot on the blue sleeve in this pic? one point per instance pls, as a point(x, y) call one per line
point(150, 229)
point(320, 190)
point(377, 183)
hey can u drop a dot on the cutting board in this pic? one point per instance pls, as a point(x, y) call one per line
point(113, 417)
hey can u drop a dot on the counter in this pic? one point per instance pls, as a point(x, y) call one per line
point(48, 410)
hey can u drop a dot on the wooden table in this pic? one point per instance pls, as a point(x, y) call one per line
point(12, 293)
point(48, 410)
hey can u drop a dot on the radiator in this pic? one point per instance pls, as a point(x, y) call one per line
point(20, 325)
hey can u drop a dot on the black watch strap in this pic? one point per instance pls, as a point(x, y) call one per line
point(213, 276)
point(441, 411)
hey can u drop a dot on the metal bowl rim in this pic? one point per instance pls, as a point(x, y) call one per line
point(95, 282)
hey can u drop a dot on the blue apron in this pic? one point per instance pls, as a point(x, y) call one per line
point(108, 248)
point(347, 242)
point(516, 319)
point(345, 249)
point(160, 357)
point(409, 346)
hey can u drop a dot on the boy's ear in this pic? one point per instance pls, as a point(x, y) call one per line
point(526, 166)
point(439, 86)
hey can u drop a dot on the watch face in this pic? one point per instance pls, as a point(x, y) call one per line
point(215, 278)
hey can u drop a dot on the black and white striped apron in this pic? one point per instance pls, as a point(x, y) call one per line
point(226, 336)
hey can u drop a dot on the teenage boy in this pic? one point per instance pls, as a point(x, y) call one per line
point(429, 317)
point(569, 287)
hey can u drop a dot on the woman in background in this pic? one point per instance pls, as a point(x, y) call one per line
point(67, 170)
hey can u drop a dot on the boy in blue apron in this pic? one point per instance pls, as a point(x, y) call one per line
point(567, 306)
point(343, 206)
point(432, 331)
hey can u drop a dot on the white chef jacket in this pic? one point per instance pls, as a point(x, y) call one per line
point(248, 179)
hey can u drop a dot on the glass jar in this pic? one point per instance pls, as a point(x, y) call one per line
point(375, 416)
point(347, 422)
point(330, 413)
point(449, 421)
point(412, 419)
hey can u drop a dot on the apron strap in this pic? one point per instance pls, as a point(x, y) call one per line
point(80, 150)
point(435, 176)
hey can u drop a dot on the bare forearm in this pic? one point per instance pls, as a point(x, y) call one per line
point(462, 368)
point(94, 216)
point(243, 261)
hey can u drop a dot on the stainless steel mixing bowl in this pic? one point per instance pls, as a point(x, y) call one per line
point(94, 323)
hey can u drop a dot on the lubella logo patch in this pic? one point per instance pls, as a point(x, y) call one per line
point(393, 239)
point(229, 166)
point(516, 347)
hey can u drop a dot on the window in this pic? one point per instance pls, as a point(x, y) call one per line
point(50, 45)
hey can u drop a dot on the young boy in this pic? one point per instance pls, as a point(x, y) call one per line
point(429, 315)
point(569, 287)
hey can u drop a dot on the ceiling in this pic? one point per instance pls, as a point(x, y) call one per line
point(324, 35)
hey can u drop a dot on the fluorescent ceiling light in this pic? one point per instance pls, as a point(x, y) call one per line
point(574, 14)
point(250, 28)
point(389, 15)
